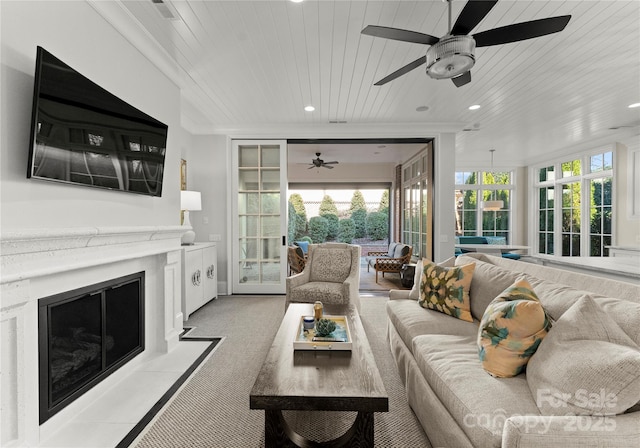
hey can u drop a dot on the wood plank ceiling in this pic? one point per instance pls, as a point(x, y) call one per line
point(258, 63)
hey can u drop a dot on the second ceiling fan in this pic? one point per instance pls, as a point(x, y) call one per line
point(318, 162)
point(453, 55)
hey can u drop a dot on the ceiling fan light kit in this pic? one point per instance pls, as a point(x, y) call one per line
point(451, 57)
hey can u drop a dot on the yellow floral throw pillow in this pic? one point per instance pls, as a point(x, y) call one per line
point(446, 289)
point(511, 329)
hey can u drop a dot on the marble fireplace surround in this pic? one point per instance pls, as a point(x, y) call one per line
point(39, 263)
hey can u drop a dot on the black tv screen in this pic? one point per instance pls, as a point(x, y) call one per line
point(82, 134)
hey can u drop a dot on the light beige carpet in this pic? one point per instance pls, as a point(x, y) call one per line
point(212, 408)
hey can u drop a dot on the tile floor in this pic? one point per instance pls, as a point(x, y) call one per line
point(105, 424)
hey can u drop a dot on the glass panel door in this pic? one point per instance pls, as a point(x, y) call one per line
point(259, 217)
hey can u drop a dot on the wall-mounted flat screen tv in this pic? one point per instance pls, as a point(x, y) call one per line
point(84, 135)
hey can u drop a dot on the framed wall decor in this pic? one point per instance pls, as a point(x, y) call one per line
point(183, 174)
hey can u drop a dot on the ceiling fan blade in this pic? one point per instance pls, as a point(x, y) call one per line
point(311, 167)
point(330, 167)
point(463, 79)
point(398, 34)
point(401, 71)
point(332, 162)
point(472, 14)
point(521, 31)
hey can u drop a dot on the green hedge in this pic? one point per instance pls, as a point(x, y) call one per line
point(318, 229)
point(347, 231)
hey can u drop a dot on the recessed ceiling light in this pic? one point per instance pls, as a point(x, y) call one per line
point(422, 108)
point(474, 107)
point(297, 1)
point(309, 108)
point(631, 106)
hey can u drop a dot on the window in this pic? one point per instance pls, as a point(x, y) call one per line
point(472, 188)
point(600, 216)
point(545, 224)
point(575, 209)
point(571, 219)
point(417, 215)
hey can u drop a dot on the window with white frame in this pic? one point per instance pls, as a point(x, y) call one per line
point(472, 189)
point(575, 206)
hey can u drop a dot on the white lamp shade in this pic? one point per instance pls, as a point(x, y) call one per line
point(492, 206)
point(190, 200)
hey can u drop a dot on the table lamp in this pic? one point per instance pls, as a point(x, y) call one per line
point(189, 201)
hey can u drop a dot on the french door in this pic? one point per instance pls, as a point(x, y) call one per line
point(259, 215)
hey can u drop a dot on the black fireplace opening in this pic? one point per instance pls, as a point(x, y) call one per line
point(86, 334)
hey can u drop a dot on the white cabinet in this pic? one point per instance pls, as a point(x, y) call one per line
point(199, 276)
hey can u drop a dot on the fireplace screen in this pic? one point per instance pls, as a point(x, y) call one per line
point(86, 334)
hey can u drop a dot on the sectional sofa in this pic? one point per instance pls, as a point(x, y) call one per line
point(460, 405)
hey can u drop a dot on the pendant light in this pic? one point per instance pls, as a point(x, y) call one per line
point(492, 205)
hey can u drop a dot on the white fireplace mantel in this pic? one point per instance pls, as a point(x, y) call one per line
point(41, 262)
point(29, 253)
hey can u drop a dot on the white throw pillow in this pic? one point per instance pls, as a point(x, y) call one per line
point(586, 365)
point(415, 290)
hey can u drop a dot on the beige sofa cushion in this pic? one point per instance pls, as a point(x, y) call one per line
point(326, 292)
point(411, 320)
point(488, 281)
point(446, 289)
point(511, 330)
point(330, 265)
point(586, 365)
point(479, 402)
point(557, 298)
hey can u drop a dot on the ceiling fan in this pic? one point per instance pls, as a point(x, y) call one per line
point(452, 56)
point(318, 162)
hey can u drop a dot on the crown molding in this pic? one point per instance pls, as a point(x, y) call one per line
point(347, 130)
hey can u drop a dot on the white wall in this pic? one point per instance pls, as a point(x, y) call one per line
point(444, 223)
point(75, 33)
point(207, 172)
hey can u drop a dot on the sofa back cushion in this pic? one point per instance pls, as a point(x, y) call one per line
point(488, 281)
point(605, 287)
point(330, 265)
point(392, 249)
point(558, 298)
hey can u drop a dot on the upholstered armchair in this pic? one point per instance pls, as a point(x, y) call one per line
point(331, 275)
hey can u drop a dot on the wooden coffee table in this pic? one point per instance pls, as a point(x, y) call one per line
point(319, 381)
